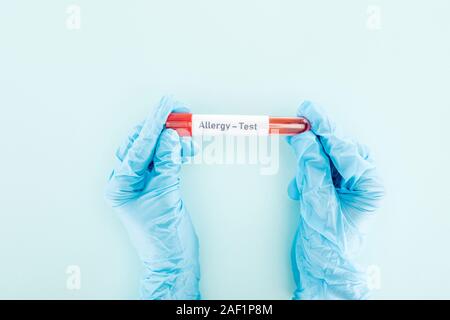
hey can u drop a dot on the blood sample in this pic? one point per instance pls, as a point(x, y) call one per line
point(188, 124)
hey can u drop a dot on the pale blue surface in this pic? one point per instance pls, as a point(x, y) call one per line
point(68, 98)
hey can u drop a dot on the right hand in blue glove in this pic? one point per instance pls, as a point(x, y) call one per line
point(144, 190)
point(337, 186)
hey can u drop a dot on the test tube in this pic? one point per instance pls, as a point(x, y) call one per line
point(188, 124)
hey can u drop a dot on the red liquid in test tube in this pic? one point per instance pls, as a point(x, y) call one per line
point(188, 124)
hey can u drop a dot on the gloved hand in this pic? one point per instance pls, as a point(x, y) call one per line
point(144, 190)
point(337, 187)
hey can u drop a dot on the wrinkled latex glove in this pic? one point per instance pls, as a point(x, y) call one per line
point(338, 187)
point(144, 190)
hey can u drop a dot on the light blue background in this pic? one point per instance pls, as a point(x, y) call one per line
point(69, 97)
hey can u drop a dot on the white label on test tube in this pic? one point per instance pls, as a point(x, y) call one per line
point(239, 125)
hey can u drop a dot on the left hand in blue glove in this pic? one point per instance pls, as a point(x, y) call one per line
point(337, 187)
point(144, 190)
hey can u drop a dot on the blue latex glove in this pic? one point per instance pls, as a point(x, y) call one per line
point(337, 187)
point(144, 190)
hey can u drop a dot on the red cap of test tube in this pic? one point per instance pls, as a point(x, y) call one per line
point(182, 123)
